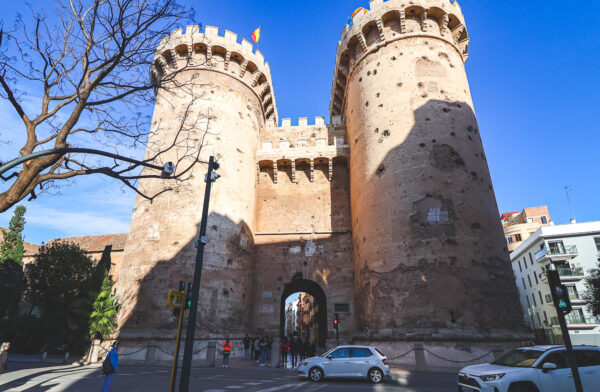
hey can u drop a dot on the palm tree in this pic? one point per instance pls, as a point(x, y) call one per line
point(104, 311)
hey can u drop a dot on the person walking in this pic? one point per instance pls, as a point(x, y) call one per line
point(110, 366)
point(284, 349)
point(263, 352)
point(256, 349)
point(227, 346)
point(269, 348)
point(4, 356)
point(295, 348)
point(247, 342)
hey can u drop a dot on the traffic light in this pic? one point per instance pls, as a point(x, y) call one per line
point(560, 294)
point(188, 297)
point(336, 321)
point(562, 299)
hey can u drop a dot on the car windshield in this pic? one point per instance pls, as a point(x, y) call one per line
point(521, 357)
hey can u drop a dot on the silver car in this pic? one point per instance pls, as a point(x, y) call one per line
point(347, 362)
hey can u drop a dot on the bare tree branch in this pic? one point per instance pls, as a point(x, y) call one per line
point(89, 74)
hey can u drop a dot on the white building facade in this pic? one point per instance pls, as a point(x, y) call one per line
point(573, 250)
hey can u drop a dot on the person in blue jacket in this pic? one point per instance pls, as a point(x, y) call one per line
point(113, 356)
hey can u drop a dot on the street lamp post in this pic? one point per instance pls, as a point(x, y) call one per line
point(186, 367)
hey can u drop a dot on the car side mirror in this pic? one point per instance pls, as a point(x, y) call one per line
point(549, 366)
point(329, 357)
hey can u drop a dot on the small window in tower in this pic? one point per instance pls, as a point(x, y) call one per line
point(544, 220)
point(302, 142)
point(518, 238)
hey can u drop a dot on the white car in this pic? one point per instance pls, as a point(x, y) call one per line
point(347, 362)
point(534, 369)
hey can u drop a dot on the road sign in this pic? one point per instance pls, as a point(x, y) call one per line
point(175, 299)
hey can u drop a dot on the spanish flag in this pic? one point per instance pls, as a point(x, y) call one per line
point(256, 35)
point(359, 10)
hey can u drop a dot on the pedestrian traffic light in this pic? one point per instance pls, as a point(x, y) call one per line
point(562, 299)
point(336, 321)
point(188, 297)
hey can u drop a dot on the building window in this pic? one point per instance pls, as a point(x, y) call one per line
point(509, 240)
point(573, 294)
point(528, 303)
point(518, 238)
point(529, 220)
point(529, 279)
point(597, 240)
point(556, 247)
point(541, 300)
point(539, 319)
point(548, 298)
point(533, 297)
point(576, 317)
point(535, 277)
point(524, 285)
point(531, 258)
point(520, 268)
point(545, 318)
point(525, 262)
point(544, 220)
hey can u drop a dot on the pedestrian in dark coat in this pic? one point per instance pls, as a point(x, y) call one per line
point(4, 356)
point(296, 349)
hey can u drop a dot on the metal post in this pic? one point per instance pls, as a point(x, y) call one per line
point(191, 326)
point(554, 282)
point(177, 343)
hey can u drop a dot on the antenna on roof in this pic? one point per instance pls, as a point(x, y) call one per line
point(569, 189)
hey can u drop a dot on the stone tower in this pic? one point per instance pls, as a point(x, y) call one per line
point(223, 89)
point(430, 263)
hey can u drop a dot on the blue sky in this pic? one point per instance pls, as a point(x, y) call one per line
point(533, 71)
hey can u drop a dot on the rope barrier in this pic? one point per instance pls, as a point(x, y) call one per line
point(454, 361)
point(402, 355)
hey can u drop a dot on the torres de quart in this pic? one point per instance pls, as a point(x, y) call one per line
point(385, 214)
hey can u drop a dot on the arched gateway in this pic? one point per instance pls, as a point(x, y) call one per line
point(312, 288)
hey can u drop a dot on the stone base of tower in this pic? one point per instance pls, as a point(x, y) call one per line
point(451, 352)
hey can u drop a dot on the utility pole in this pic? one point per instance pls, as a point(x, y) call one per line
point(562, 303)
point(181, 310)
point(186, 367)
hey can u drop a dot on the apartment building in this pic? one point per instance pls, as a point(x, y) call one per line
point(519, 226)
point(573, 250)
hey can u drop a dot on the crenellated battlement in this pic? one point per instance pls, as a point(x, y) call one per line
point(389, 21)
point(218, 51)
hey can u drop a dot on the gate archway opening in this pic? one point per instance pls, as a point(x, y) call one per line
point(313, 310)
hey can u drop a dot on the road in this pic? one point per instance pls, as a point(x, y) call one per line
point(244, 377)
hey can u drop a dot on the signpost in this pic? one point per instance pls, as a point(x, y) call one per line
point(175, 300)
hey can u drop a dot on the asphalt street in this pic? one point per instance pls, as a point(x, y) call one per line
point(244, 377)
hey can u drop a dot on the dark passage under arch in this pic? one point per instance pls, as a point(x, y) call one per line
point(312, 288)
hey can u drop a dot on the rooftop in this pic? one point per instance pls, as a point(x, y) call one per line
point(30, 249)
point(96, 243)
point(565, 230)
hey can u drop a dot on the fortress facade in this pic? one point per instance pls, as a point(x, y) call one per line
point(386, 215)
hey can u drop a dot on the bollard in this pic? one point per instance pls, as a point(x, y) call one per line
point(94, 350)
point(420, 356)
point(275, 356)
point(66, 357)
point(150, 353)
point(211, 354)
point(44, 356)
point(497, 350)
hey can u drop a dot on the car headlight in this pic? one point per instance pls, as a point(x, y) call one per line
point(492, 377)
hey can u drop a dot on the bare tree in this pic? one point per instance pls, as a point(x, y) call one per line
point(88, 75)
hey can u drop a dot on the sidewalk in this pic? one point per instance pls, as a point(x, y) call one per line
point(37, 358)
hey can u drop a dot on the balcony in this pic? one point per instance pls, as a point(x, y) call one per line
point(570, 274)
point(556, 253)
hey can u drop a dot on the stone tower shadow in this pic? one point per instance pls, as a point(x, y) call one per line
point(454, 267)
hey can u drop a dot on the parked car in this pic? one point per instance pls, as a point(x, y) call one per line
point(534, 369)
point(347, 362)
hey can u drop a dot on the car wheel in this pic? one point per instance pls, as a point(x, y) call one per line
point(315, 374)
point(375, 376)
